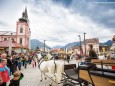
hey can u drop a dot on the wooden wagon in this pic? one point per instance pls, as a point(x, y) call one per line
point(84, 73)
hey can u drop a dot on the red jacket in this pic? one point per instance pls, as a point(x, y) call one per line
point(4, 73)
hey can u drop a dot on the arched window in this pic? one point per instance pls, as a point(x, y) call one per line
point(5, 39)
point(20, 41)
point(21, 30)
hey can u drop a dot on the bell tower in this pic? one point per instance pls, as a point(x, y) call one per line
point(23, 32)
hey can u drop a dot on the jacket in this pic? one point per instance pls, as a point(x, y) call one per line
point(4, 73)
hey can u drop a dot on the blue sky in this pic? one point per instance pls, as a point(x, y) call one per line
point(61, 21)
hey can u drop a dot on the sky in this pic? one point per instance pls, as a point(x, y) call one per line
point(61, 21)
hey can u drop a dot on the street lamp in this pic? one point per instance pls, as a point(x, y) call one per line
point(80, 43)
point(10, 45)
point(84, 44)
point(44, 46)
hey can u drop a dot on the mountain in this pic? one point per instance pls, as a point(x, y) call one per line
point(108, 43)
point(36, 43)
point(58, 46)
point(70, 45)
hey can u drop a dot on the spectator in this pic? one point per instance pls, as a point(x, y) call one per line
point(4, 72)
point(33, 62)
point(16, 80)
point(9, 63)
point(19, 62)
point(14, 64)
point(3, 56)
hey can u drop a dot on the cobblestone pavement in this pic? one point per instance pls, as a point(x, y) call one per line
point(32, 77)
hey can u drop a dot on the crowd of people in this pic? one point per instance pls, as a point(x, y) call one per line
point(12, 65)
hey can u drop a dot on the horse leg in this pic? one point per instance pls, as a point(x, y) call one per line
point(41, 77)
point(50, 83)
point(55, 80)
point(44, 77)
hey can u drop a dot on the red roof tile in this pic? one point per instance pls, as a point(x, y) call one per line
point(7, 44)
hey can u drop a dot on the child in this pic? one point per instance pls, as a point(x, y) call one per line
point(33, 62)
point(16, 80)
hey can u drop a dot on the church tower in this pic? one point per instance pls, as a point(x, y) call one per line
point(23, 32)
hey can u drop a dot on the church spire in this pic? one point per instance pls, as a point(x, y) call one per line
point(24, 16)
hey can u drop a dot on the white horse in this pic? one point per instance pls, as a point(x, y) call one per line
point(49, 66)
point(54, 67)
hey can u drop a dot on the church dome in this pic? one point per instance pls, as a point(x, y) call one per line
point(22, 19)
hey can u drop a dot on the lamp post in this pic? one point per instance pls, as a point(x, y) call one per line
point(44, 45)
point(10, 45)
point(84, 44)
point(80, 43)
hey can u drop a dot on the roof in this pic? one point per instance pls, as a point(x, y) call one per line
point(7, 44)
point(93, 40)
point(55, 49)
point(76, 47)
point(7, 33)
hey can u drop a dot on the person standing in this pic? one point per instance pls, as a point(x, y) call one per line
point(4, 73)
point(33, 62)
point(26, 61)
point(14, 64)
point(23, 60)
point(19, 62)
point(3, 56)
point(9, 63)
point(16, 79)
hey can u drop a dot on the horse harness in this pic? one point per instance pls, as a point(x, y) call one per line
point(40, 61)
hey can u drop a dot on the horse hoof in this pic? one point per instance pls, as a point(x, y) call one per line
point(50, 84)
point(40, 80)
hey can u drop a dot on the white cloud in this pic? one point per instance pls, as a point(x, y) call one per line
point(54, 23)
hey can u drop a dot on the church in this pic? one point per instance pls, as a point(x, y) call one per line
point(17, 41)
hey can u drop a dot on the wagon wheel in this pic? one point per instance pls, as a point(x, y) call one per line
point(68, 84)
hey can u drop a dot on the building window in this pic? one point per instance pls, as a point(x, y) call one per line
point(21, 30)
point(5, 39)
point(20, 40)
point(13, 40)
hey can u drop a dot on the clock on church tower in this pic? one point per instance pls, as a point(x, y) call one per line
point(23, 31)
